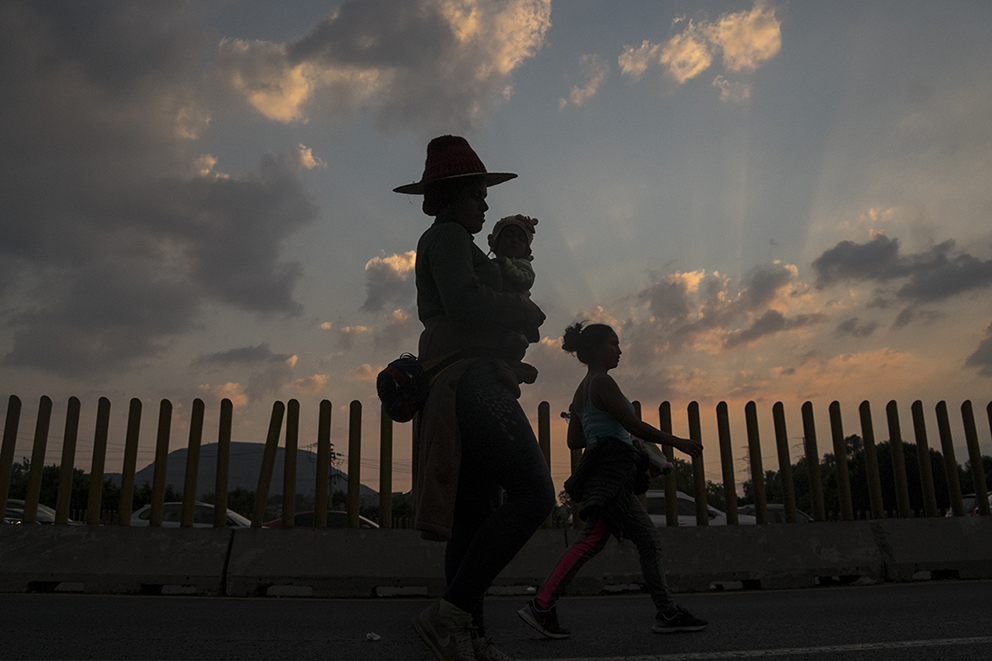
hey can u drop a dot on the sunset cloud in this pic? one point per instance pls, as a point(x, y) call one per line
point(407, 62)
point(311, 385)
point(982, 358)
point(743, 41)
point(389, 280)
point(143, 234)
point(594, 71)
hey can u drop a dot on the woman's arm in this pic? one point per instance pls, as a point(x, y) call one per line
point(465, 298)
point(606, 396)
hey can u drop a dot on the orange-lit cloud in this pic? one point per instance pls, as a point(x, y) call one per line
point(372, 57)
point(744, 40)
point(594, 71)
point(311, 385)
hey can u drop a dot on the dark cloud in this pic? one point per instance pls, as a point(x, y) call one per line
point(876, 260)
point(851, 327)
point(939, 277)
point(389, 280)
point(410, 63)
point(763, 284)
point(912, 314)
point(770, 323)
point(104, 211)
point(399, 332)
point(934, 275)
point(259, 354)
point(668, 300)
point(377, 33)
point(982, 358)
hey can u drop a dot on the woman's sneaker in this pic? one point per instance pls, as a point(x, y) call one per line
point(545, 621)
point(447, 630)
point(486, 650)
point(679, 619)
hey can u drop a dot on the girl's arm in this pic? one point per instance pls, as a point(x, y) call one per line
point(606, 396)
point(576, 436)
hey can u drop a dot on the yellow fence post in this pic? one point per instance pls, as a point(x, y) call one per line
point(757, 467)
point(268, 464)
point(323, 463)
point(124, 507)
point(289, 464)
point(671, 487)
point(950, 462)
point(923, 457)
point(637, 411)
point(385, 470)
point(698, 470)
point(10, 425)
point(161, 459)
point(64, 497)
point(37, 459)
point(898, 460)
point(95, 501)
point(192, 464)
point(974, 455)
point(544, 442)
point(784, 462)
point(726, 462)
point(840, 460)
point(871, 462)
point(354, 462)
point(223, 462)
point(813, 462)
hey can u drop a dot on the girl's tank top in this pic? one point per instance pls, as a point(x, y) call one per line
point(598, 424)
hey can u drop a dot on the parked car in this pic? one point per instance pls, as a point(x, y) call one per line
point(14, 513)
point(775, 513)
point(172, 514)
point(970, 503)
point(335, 519)
point(687, 511)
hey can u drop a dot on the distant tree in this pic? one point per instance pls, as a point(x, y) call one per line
point(858, 478)
point(240, 500)
point(48, 495)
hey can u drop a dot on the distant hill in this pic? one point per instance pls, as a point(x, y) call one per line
point(245, 466)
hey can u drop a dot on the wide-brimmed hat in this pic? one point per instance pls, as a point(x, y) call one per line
point(451, 157)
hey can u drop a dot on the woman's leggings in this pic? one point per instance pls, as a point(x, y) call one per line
point(499, 450)
point(638, 528)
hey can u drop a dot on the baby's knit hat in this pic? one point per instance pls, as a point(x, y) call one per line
point(526, 223)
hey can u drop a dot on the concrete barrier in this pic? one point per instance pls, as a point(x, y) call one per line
point(113, 559)
point(959, 547)
point(363, 563)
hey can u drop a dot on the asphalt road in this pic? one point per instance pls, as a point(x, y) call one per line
point(923, 620)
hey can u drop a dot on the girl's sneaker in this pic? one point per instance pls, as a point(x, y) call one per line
point(679, 619)
point(545, 621)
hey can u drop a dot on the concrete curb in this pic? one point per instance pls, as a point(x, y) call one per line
point(364, 563)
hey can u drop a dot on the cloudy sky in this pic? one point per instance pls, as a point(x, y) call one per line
point(770, 200)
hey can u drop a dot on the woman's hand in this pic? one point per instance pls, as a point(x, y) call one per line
point(534, 315)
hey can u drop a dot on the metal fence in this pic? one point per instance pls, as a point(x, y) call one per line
point(290, 414)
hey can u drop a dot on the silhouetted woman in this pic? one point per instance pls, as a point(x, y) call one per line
point(472, 436)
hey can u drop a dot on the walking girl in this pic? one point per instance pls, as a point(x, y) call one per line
point(602, 421)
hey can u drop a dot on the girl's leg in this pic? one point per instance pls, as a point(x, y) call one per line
point(592, 540)
point(498, 447)
point(639, 528)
